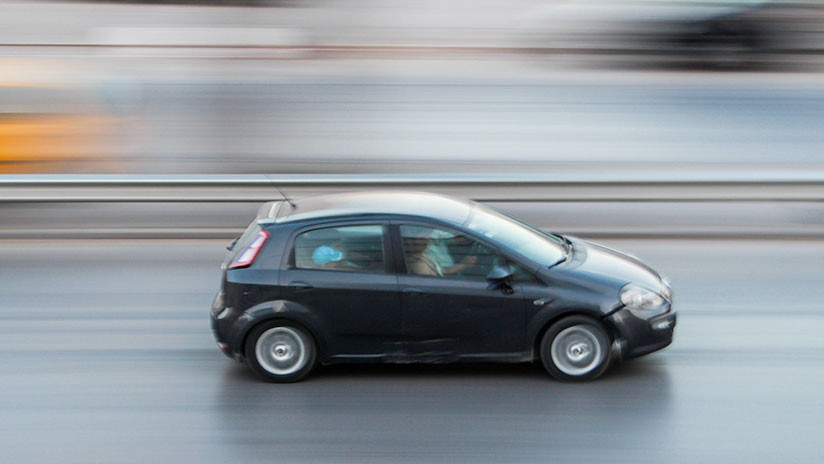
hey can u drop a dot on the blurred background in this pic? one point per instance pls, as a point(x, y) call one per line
point(137, 137)
point(406, 86)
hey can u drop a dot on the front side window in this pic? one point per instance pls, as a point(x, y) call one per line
point(345, 248)
point(437, 252)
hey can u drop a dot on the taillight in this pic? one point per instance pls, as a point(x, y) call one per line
point(248, 255)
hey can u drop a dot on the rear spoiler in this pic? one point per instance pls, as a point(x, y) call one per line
point(268, 212)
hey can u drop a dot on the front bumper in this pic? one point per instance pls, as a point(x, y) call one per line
point(636, 336)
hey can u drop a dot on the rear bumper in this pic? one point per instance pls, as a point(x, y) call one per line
point(221, 341)
point(221, 319)
point(636, 336)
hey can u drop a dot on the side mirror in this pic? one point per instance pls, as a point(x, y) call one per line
point(500, 277)
point(231, 244)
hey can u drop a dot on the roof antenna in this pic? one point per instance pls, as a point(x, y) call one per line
point(291, 203)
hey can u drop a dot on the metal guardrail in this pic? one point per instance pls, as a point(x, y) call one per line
point(778, 204)
point(807, 186)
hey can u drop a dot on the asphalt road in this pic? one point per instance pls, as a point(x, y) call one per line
point(108, 357)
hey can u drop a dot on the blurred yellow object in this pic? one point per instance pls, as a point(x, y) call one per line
point(31, 143)
point(49, 122)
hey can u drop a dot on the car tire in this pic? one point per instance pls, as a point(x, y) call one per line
point(576, 348)
point(280, 351)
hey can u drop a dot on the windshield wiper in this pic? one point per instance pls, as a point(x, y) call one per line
point(568, 244)
point(567, 250)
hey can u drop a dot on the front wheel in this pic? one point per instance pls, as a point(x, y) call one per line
point(280, 352)
point(575, 349)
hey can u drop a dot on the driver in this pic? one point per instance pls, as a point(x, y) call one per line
point(426, 254)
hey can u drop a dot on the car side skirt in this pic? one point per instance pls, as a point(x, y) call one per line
point(428, 358)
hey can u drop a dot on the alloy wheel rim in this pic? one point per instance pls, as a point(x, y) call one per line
point(576, 351)
point(281, 351)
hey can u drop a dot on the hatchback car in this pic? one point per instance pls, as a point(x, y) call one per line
point(417, 277)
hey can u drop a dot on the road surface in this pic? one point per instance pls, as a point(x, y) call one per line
point(108, 357)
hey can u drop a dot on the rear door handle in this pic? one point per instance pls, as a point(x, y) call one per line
point(301, 286)
point(413, 291)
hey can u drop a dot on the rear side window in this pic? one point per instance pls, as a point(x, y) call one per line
point(346, 248)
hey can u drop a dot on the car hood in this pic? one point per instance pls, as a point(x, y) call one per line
point(606, 263)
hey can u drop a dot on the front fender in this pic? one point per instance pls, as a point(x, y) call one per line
point(542, 318)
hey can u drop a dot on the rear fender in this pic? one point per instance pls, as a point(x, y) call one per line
point(274, 310)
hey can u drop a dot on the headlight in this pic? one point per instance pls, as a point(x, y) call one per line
point(642, 299)
point(218, 304)
point(666, 289)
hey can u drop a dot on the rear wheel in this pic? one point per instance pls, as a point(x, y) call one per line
point(280, 352)
point(575, 349)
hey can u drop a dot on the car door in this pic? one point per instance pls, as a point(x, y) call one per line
point(447, 305)
point(339, 273)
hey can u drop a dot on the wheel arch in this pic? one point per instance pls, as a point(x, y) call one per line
point(280, 310)
point(535, 344)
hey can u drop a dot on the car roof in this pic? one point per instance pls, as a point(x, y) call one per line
point(424, 204)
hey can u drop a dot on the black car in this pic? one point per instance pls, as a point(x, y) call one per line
point(418, 277)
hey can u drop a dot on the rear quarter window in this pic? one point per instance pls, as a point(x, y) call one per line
point(245, 239)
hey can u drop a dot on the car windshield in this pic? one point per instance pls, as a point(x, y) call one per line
point(525, 239)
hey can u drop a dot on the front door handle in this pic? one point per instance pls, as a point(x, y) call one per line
point(301, 286)
point(412, 291)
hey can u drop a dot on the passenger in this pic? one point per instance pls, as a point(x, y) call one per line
point(330, 255)
point(327, 256)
